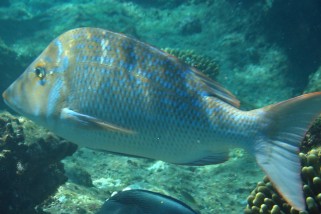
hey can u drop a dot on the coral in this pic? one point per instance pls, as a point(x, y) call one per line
point(29, 173)
point(203, 63)
point(265, 199)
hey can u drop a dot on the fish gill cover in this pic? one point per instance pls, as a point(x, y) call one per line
point(266, 51)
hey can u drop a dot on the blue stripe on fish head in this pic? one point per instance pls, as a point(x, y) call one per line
point(53, 98)
point(57, 42)
point(61, 60)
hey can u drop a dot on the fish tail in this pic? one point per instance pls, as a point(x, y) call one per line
point(276, 149)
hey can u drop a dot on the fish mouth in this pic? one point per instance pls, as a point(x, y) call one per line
point(6, 98)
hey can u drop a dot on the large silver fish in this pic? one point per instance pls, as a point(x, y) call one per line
point(107, 91)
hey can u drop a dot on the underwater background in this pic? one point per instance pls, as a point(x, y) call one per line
point(262, 51)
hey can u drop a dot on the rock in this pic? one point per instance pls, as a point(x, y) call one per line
point(29, 173)
point(79, 176)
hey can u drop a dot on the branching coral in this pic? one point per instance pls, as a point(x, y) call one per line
point(203, 63)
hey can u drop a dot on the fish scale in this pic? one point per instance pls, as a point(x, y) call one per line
point(164, 110)
point(107, 91)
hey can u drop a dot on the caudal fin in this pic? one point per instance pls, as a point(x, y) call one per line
point(277, 149)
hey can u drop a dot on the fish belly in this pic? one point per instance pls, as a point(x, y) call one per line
point(172, 144)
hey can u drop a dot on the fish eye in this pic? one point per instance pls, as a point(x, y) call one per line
point(40, 72)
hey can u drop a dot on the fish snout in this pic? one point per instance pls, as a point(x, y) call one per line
point(5, 95)
point(11, 98)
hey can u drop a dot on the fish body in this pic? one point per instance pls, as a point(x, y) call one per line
point(107, 91)
point(136, 201)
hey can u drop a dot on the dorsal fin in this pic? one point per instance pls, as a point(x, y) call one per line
point(215, 89)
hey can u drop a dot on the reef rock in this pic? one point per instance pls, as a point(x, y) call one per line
point(29, 173)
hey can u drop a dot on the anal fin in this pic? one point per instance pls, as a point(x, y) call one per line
point(209, 159)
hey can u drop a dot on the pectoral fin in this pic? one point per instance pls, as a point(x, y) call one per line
point(91, 122)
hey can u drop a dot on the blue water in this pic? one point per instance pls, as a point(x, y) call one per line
point(267, 51)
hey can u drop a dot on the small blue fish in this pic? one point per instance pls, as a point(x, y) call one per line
point(137, 201)
point(107, 91)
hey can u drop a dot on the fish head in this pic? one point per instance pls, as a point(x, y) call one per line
point(39, 91)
